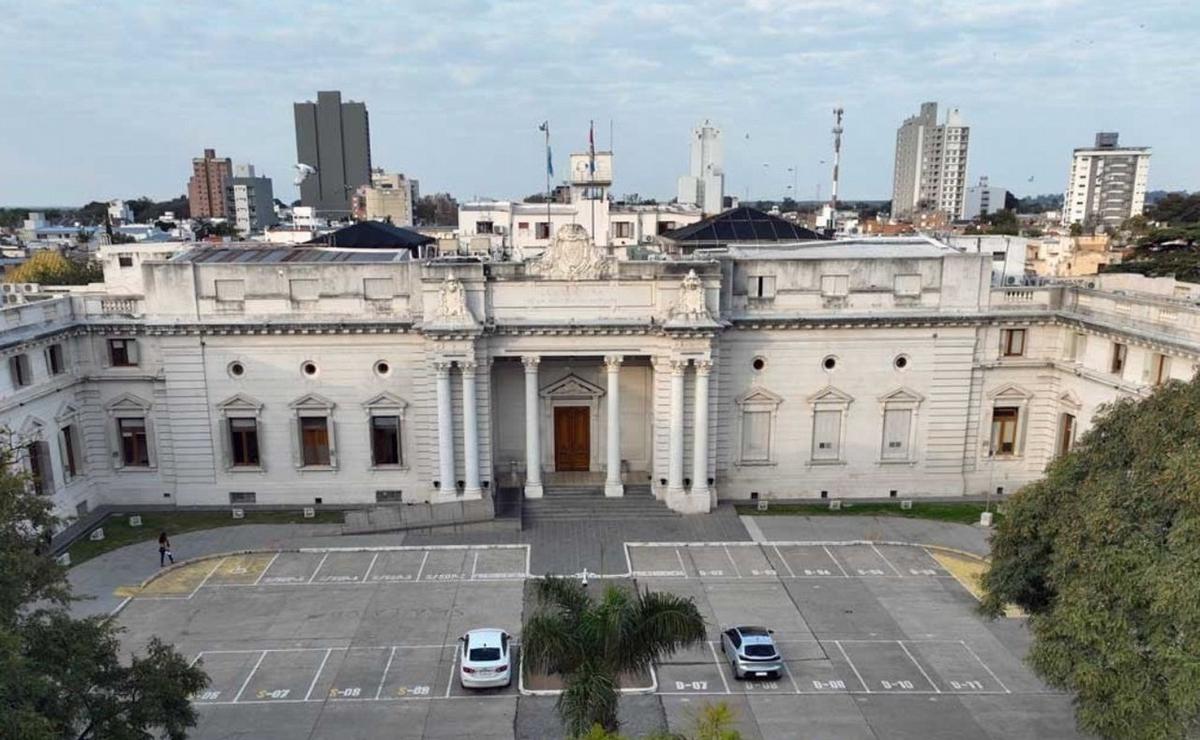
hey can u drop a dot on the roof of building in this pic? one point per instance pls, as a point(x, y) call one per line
point(860, 248)
point(275, 254)
point(374, 235)
point(742, 225)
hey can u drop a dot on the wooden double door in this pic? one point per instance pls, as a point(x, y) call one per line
point(572, 438)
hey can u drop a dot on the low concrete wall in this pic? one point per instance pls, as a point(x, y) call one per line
point(419, 516)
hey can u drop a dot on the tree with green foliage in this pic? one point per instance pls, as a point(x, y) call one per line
point(1104, 555)
point(215, 228)
point(51, 267)
point(1003, 222)
point(590, 643)
point(62, 677)
point(1176, 208)
point(1164, 252)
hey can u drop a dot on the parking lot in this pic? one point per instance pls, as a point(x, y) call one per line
point(879, 640)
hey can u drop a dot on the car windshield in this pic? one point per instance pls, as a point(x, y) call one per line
point(760, 651)
point(484, 653)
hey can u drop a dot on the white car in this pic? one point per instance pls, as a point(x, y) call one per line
point(486, 659)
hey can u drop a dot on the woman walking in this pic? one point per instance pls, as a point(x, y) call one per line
point(164, 550)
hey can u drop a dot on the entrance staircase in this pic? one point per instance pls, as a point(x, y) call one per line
point(574, 503)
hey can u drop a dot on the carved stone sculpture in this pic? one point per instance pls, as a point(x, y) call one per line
point(689, 304)
point(572, 256)
point(452, 301)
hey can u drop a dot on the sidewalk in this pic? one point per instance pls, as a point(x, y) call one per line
point(966, 537)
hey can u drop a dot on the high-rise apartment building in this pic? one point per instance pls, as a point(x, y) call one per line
point(389, 197)
point(983, 199)
point(1107, 183)
point(334, 139)
point(250, 200)
point(931, 163)
point(704, 185)
point(206, 188)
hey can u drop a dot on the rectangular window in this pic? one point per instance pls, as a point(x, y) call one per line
point(1004, 430)
point(385, 440)
point(756, 436)
point(1160, 368)
point(1117, 366)
point(39, 459)
point(1066, 434)
point(623, 229)
point(54, 359)
point(1078, 346)
point(483, 227)
point(390, 496)
point(18, 368)
point(835, 285)
point(314, 440)
point(542, 230)
point(135, 453)
point(124, 260)
point(243, 442)
point(827, 435)
point(896, 426)
point(761, 286)
point(122, 352)
point(1012, 342)
point(69, 460)
point(243, 497)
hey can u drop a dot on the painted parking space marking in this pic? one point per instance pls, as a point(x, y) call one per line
point(887, 666)
point(650, 560)
point(862, 561)
point(446, 565)
point(285, 676)
point(291, 568)
point(912, 561)
point(241, 569)
point(708, 562)
point(771, 560)
point(397, 567)
point(809, 562)
point(226, 672)
point(956, 668)
point(342, 567)
point(752, 562)
point(500, 564)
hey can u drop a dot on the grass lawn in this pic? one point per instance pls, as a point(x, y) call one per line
point(118, 533)
point(966, 512)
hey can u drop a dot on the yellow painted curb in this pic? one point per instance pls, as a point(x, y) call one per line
point(968, 570)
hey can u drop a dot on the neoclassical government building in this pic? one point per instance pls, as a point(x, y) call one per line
point(257, 374)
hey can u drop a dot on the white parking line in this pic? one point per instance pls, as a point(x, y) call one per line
point(268, 567)
point(835, 561)
point(453, 663)
point(369, 568)
point(250, 675)
point(206, 577)
point(783, 560)
point(421, 570)
point(320, 668)
point(196, 659)
point(736, 570)
point(682, 567)
point(474, 564)
point(854, 668)
point(986, 668)
point(918, 665)
point(386, 667)
point(720, 668)
point(894, 568)
point(788, 671)
point(318, 570)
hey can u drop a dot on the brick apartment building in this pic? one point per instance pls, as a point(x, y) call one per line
point(206, 187)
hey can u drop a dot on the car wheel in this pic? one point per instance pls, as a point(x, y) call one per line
point(736, 673)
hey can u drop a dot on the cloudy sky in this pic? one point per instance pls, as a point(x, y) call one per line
point(112, 99)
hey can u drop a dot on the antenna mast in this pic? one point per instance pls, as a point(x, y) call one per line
point(837, 158)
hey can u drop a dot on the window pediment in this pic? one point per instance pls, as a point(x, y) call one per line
point(759, 397)
point(386, 402)
point(571, 386)
point(312, 402)
point(127, 403)
point(1070, 400)
point(240, 402)
point(66, 412)
point(830, 396)
point(901, 397)
point(32, 427)
point(1010, 392)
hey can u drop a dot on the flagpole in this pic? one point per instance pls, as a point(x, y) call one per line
point(548, 192)
point(592, 174)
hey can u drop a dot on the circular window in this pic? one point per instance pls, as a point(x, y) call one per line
point(829, 362)
point(900, 362)
point(309, 368)
point(236, 369)
point(383, 369)
point(758, 363)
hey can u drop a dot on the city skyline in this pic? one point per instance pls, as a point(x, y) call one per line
point(458, 106)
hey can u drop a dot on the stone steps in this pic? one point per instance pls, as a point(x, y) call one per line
point(576, 503)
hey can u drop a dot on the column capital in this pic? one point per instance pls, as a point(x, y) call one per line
point(613, 362)
point(678, 367)
point(531, 362)
point(703, 367)
point(468, 367)
point(442, 366)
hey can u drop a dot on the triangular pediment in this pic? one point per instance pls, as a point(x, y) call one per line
point(831, 395)
point(385, 400)
point(1070, 399)
point(240, 402)
point(759, 397)
point(66, 411)
point(1010, 392)
point(32, 427)
point(312, 401)
point(902, 395)
point(571, 386)
point(128, 402)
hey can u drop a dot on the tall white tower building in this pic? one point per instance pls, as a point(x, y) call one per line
point(931, 163)
point(1107, 183)
point(704, 185)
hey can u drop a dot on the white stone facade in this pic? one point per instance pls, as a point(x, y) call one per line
point(783, 373)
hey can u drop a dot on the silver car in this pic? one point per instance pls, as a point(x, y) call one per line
point(751, 652)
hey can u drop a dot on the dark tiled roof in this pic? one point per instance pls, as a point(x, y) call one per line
point(273, 255)
point(739, 226)
point(374, 235)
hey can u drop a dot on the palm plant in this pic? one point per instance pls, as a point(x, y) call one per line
point(589, 643)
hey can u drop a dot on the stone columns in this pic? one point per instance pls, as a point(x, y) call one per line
point(533, 436)
point(612, 482)
point(445, 417)
point(472, 489)
point(700, 432)
point(675, 448)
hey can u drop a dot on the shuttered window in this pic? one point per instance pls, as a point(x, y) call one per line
point(756, 436)
point(827, 433)
point(897, 424)
point(314, 440)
